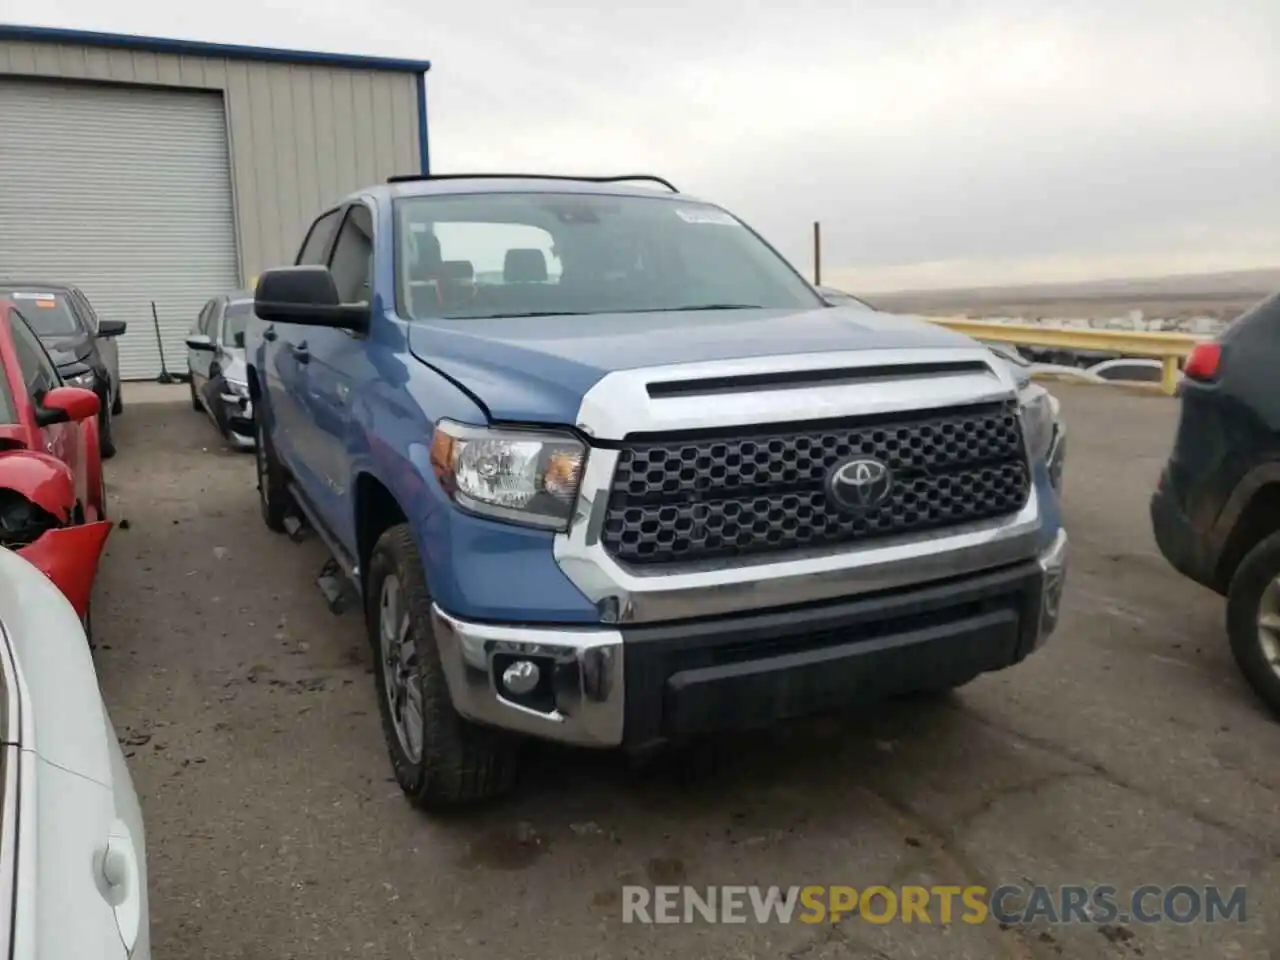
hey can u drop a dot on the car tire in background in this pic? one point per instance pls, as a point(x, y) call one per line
point(117, 405)
point(1252, 599)
point(106, 437)
point(273, 488)
point(441, 760)
point(195, 401)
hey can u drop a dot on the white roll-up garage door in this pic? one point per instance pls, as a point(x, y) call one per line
point(126, 192)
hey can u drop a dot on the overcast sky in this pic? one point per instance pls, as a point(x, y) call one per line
point(940, 142)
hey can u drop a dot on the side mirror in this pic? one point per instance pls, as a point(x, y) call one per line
point(67, 405)
point(201, 341)
point(111, 328)
point(306, 295)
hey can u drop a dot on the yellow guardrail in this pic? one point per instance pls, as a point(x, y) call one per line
point(1169, 348)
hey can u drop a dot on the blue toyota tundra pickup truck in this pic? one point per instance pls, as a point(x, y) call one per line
point(604, 469)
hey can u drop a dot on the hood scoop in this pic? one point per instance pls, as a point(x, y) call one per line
point(801, 379)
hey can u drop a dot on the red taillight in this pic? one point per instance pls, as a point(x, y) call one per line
point(1203, 362)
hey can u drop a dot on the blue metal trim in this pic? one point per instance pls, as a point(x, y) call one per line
point(197, 48)
point(424, 139)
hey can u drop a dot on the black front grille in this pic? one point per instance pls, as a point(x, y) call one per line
point(718, 496)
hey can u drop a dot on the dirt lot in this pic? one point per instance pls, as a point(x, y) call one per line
point(1128, 752)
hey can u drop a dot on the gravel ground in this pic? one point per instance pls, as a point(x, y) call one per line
point(1128, 752)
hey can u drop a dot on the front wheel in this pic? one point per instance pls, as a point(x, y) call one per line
point(273, 490)
point(195, 400)
point(440, 760)
point(106, 441)
point(1253, 619)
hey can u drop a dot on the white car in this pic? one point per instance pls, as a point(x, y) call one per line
point(73, 873)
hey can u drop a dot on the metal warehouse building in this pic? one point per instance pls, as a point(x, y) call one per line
point(168, 171)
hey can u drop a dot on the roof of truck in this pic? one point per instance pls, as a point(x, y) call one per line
point(525, 183)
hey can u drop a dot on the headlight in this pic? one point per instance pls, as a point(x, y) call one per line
point(86, 379)
point(526, 477)
point(1037, 410)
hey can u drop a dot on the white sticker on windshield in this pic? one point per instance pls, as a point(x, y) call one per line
point(18, 295)
point(705, 215)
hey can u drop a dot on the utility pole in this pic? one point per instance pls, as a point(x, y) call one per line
point(817, 253)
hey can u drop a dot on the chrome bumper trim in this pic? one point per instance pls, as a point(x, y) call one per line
point(587, 676)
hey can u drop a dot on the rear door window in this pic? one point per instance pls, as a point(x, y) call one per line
point(352, 260)
point(316, 245)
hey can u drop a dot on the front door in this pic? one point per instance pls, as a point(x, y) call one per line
point(285, 362)
point(336, 360)
point(198, 361)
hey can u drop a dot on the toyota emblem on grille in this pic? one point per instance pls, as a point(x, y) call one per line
point(860, 485)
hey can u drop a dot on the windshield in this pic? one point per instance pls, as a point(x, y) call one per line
point(48, 311)
point(237, 318)
point(506, 254)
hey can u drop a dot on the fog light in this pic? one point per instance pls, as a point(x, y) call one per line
point(521, 678)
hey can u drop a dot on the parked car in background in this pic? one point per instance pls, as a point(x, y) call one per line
point(648, 486)
point(216, 367)
point(82, 346)
point(52, 494)
point(1216, 510)
point(1129, 370)
point(73, 865)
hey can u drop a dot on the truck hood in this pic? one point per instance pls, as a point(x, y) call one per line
point(65, 349)
point(537, 369)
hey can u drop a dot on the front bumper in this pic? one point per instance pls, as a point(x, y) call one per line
point(634, 685)
point(1188, 549)
point(234, 415)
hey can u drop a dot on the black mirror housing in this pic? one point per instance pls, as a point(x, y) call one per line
point(306, 295)
point(112, 328)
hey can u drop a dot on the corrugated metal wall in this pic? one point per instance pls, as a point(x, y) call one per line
point(123, 191)
point(301, 136)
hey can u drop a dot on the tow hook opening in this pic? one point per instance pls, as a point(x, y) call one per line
point(23, 521)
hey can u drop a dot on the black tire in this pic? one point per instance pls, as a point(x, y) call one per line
point(273, 487)
point(195, 401)
point(461, 764)
point(1249, 587)
point(117, 405)
point(106, 439)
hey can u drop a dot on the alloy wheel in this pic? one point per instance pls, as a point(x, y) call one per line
point(1269, 625)
point(400, 672)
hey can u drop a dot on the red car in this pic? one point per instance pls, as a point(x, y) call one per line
point(52, 497)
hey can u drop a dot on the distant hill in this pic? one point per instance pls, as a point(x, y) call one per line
point(1207, 294)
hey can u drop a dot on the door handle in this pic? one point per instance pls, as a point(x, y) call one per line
point(269, 334)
